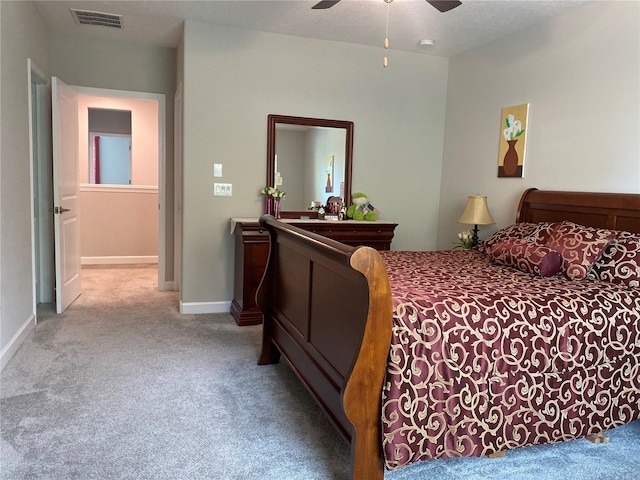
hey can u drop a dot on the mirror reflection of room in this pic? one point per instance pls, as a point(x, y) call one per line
point(109, 146)
point(309, 164)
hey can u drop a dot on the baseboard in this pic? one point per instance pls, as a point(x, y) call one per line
point(12, 347)
point(193, 308)
point(119, 260)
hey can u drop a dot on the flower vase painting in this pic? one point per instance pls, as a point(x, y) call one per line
point(513, 141)
point(329, 173)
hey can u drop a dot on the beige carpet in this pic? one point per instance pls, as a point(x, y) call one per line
point(122, 386)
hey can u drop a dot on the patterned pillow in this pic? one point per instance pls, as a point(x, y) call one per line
point(579, 246)
point(527, 257)
point(532, 232)
point(620, 262)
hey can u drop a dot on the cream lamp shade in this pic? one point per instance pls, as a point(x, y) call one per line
point(476, 213)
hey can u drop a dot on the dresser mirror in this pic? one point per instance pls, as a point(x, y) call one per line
point(309, 159)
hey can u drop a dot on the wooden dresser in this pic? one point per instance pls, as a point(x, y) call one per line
point(252, 252)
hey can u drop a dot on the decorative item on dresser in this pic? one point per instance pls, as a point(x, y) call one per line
point(252, 251)
point(425, 362)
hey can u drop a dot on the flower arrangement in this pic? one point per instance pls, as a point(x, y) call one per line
point(465, 240)
point(514, 128)
point(273, 192)
point(273, 196)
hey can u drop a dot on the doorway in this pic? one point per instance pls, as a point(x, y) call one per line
point(44, 271)
point(120, 218)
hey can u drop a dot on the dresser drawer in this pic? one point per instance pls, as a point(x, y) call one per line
point(377, 236)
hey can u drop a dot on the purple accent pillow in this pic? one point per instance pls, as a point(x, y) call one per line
point(527, 257)
point(580, 247)
point(620, 262)
point(531, 232)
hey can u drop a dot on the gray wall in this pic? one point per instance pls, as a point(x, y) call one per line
point(23, 36)
point(321, 143)
point(580, 73)
point(234, 78)
point(291, 155)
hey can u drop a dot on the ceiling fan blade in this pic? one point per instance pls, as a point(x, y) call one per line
point(444, 5)
point(324, 4)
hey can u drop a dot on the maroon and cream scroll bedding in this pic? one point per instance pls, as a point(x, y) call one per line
point(485, 358)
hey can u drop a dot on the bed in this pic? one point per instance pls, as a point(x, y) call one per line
point(497, 359)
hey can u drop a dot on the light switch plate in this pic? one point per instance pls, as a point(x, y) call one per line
point(222, 189)
point(217, 169)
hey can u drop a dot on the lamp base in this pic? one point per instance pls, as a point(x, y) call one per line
point(474, 239)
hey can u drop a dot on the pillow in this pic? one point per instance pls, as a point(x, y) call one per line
point(620, 262)
point(527, 257)
point(579, 246)
point(533, 232)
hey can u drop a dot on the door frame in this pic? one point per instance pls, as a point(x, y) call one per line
point(42, 271)
point(162, 142)
point(177, 189)
point(40, 152)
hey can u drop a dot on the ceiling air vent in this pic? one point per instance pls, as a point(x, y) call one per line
point(85, 17)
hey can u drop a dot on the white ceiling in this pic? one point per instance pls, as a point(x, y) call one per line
point(474, 23)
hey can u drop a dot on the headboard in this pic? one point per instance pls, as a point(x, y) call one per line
point(615, 211)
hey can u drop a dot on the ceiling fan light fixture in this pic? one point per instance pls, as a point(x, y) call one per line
point(444, 6)
point(441, 5)
point(385, 61)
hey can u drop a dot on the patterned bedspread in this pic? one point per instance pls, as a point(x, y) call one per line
point(485, 358)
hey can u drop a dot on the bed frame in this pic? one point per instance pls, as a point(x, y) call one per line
point(327, 308)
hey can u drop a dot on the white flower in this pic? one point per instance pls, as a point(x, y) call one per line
point(464, 236)
point(465, 239)
point(273, 192)
point(514, 128)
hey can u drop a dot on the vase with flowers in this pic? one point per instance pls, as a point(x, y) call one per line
point(465, 240)
point(272, 199)
point(268, 202)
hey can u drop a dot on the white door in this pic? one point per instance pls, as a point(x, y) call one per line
point(64, 113)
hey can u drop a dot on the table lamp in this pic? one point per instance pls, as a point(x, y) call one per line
point(476, 213)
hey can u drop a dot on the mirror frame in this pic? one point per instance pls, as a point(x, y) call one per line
point(272, 120)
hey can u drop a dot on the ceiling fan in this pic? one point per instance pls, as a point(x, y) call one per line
point(441, 5)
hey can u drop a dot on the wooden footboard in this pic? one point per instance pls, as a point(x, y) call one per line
point(327, 308)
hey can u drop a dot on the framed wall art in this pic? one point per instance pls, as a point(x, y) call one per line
point(329, 173)
point(513, 140)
